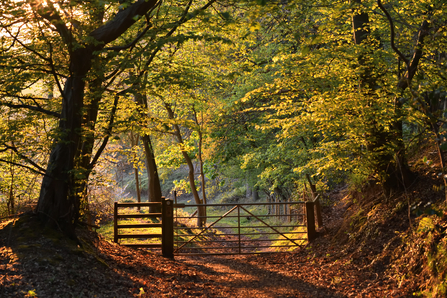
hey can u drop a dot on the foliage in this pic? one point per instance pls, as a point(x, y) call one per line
point(294, 105)
point(235, 195)
point(278, 99)
point(431, 230)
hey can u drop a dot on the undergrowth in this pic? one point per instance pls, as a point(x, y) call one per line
point(403, 235)
point(424, 255)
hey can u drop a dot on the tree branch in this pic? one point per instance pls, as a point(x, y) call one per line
point(393, 46)
point(50, 14)
point(412, 65)
point(15, 38)
point(132, 43)
point(417, 55)
point(33, 108)
point(54, 73)
point(27, 159)
point(122, 21)
point(23, 166)
point(182, 20)
point(108, 133)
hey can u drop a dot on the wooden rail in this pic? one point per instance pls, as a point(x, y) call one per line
point(167, 223)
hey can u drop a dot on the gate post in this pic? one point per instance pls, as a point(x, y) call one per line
point(167, 230)
point(115, 223)
point(318, 211)
point(311, 233)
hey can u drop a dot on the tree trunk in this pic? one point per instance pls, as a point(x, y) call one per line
point(313, 188)
point(202, 176)
point(200, 214)
point(248, 190)
point(201, 210)
point(154, 189)
point(88, 137)
point(134, 142)
point(59, 201)
point(255, 194)
point(385, 145)
point(11, 200)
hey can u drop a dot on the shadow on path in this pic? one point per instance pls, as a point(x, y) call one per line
point(252, 278)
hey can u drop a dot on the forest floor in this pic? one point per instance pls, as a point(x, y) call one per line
point(38, 262)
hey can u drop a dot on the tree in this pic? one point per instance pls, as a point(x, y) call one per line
point(70, 161)
point(379, 137)
point(154, 189)
point(75, 45)
point(347, 97)
point(134, 140)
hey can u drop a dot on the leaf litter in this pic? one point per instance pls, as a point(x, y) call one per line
point(37, 262)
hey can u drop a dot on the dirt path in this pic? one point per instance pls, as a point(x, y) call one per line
point(252, 276)
point(36, 262)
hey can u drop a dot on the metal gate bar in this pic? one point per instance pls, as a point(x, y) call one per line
point(206, 227)
point(229, 241)
point(269, 226)
point(236, 238)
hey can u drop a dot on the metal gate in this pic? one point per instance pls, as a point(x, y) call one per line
point(244, 228)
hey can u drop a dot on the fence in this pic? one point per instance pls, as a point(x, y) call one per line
point(165, 225)
point(248, 234)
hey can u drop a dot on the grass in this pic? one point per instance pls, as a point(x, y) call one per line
point(281, 243)
point(108, 230)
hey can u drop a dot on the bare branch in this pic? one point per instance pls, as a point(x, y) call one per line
point(393, 46)
point(23, 166)
point(108, 133)
point(32, 108)
point(132, 43)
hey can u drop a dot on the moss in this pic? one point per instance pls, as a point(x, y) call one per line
point(431, 230)
point(87, 249)
point(28, 246)
point(358, 220)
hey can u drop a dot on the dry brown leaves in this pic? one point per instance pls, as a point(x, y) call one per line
point(35, 262)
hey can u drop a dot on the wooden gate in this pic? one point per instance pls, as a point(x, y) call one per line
point(161, 222)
